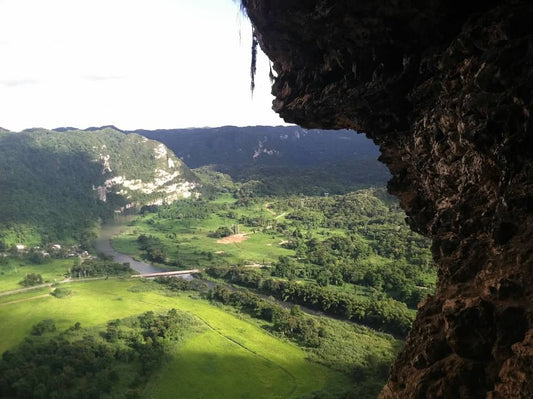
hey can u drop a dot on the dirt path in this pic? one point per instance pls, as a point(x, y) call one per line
point(25, 299)
point(267, 207)
point(36, 287)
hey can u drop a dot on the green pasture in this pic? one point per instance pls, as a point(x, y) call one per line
point(233, 358)
point(224, 199)
point(195, 373)
point(188, 240)
point(238, 359)
point(35, 293)
point(15, 271)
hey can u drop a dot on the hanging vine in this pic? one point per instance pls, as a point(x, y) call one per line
point(253, 65)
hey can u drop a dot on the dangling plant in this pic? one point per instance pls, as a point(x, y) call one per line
point(253, 65)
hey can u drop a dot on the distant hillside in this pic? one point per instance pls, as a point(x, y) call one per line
point(263, 145)
point(56, 184)
point(281, 158)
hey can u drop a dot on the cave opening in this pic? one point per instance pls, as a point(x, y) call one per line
point(445, 89)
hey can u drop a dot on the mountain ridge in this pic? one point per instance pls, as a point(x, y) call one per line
point(58, 184)
point(280, 159)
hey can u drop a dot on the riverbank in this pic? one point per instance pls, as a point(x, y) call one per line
point(103, 245)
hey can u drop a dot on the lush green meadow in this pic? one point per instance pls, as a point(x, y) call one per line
point(349, 249)
point(232, 358)
point(25, 295)
point(187, 239)
point(355, 246)
point(12, 273)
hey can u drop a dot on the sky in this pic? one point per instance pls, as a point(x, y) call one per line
point(135, 64)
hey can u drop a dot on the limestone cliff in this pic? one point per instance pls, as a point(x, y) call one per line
point(445, 88)
point(141, 171)
point(54, 185)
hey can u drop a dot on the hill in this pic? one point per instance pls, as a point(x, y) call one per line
point(56, 184)
point(282, 159)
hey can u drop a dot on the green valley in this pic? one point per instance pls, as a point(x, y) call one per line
point(300, 294)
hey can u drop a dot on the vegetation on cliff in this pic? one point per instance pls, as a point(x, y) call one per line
point(55, 185)
point(280, 159)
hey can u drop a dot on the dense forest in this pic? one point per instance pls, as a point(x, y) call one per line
point(55, 186)
point(92, 363)
point(280, 159)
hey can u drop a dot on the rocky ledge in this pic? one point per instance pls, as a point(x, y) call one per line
point(445, 88)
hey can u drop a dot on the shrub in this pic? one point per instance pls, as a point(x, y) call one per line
point(32, 279)
point(61, 292)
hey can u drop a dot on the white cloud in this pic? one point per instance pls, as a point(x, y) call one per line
point(131, 63)
point(103, 77)
point(17, 82)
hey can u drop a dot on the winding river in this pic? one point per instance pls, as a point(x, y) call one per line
point(110, 230)
point(103, 244)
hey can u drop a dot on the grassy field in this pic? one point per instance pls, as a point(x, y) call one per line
point(15, 271)
point(233, 358)
point(25, 295)
point(188, 240)
point(238, 360)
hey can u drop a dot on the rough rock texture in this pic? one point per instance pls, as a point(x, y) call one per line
point(445, 88)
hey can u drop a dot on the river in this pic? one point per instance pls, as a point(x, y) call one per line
point(103, 244)
point(110, 230)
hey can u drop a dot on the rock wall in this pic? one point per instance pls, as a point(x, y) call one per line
point(445, 88)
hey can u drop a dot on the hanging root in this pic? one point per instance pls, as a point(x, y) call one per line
point(253, 65)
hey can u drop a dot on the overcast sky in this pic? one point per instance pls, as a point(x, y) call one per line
point(131, 63)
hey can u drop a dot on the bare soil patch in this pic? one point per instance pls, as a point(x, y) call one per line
point(233, 239)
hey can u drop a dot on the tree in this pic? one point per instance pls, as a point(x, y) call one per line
point(36, 257)
point(296, 311)
point(221, 232)
point(323, 278)
point(43, 326)
point(32, 279)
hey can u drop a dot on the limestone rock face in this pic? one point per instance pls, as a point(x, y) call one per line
point(445, 88)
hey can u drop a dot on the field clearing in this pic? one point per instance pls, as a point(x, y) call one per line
point(188, 242)
point(233, 358)
point(233, 239)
